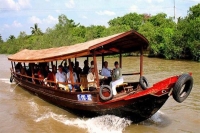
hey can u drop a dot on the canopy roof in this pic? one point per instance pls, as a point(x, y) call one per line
point(119, 43)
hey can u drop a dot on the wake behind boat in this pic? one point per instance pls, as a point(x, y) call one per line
point(135, 100)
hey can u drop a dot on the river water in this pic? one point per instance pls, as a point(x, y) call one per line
point(22, 112)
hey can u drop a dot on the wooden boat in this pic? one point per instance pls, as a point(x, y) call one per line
point(135, 100)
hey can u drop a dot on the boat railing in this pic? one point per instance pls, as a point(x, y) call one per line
point(126, 74)
point(45, 82)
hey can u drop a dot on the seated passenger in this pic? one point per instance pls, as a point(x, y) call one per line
point(86, 67)
point(91, 64)
point(35, 70)
point(35, 74)
point(46, 71)
point(117, 78)
point(91, 79)
point(106, 72)
point(65, 68)
point(77, 70)
point(40, 74)
point(54, 70)
point(75, 79)
point(50, 75)
point(61, 77)
point(29, 72)
point(18, 67)
point(23, 72)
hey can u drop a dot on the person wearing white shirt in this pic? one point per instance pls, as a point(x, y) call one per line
point(75, 79)
point(117, 78)
point(61, 77)
point(91, 78)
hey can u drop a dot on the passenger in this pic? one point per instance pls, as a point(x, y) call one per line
point(40, 75)
point(117, 78)
point(35, 74)
point(77, 70)
point(72, 64)
point(18, 67)
point(23, 72)
point(91, 79)
point(35, 70)
point(91, 64)
point(106, 72)
point(61, 77)
point(29, 71)
point(50, 76)
point(54, 70)
point(86, 67)
point(46, 71)
point(75, 79)
point(65, 68)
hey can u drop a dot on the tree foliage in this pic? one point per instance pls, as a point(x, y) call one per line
point(36, 30)
point(167, 39)
point(1, 40)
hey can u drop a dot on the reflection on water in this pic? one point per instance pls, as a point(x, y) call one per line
point(24, 112)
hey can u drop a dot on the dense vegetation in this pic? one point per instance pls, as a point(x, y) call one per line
point(167, 39)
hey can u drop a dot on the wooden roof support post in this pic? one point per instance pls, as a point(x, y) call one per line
point(71, 73)
point(51, 65)
point(102, 60)
point(95, 69)
point(12, 66)
point(120, 59)
point(56, 65)
point(141, 61)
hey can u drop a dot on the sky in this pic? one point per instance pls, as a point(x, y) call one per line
point(20, 15)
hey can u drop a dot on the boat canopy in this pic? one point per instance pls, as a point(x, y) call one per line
point(125, 42)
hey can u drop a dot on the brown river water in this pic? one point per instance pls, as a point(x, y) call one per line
point(22, 112)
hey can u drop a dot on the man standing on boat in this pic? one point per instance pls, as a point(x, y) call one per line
point(117, 78)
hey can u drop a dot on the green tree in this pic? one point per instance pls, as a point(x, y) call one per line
point(159, 30)
point(36, 30)
point(187, 35)
point(133, 20)
point(194, 12)
point(11, 37)
point(22, 34)
point(1, 40)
